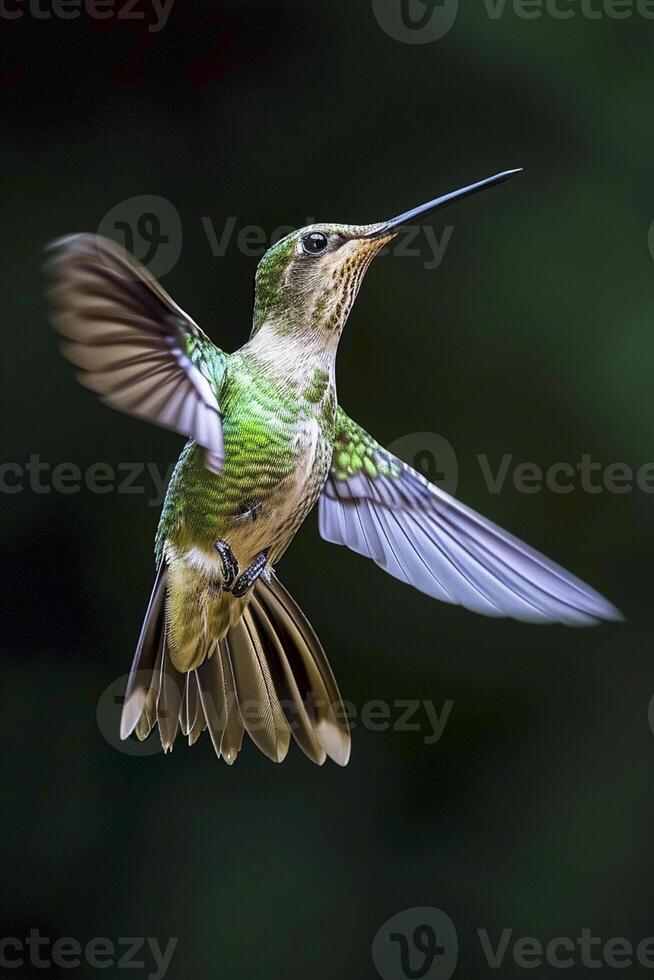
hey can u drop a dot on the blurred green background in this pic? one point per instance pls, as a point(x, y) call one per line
point(533, 337)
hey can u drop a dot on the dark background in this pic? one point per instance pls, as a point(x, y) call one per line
point(534, 337)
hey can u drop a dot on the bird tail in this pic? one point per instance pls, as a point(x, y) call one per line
point(267, 676)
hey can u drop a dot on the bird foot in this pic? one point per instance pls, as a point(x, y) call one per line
point(248, 576)
point(229, 562)
point(234, 580)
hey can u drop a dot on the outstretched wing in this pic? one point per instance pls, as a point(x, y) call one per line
point(381, 508)
point(135, 347)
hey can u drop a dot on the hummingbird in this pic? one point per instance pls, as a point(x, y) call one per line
point(224, 647)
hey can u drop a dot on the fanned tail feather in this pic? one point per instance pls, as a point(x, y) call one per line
point(267, 676)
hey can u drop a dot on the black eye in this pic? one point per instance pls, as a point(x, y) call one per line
point(314, 242)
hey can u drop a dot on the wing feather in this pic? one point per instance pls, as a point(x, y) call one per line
point(381, 508)
point(132, 344)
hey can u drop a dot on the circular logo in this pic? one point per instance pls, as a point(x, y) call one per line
point(108, 714)
point(431, 455)
point(149, 227)
point(415, 21)
point(416, 944)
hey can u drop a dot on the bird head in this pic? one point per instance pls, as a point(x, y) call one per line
point(308, 281)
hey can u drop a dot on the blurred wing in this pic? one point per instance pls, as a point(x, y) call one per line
point(134, 346)
point(382, 509)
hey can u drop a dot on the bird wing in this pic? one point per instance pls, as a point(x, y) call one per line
point(383, 509)
point(133, 345)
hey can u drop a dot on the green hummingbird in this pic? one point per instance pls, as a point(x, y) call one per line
point(223, 646)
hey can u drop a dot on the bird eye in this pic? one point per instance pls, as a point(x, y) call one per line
point(315, 242)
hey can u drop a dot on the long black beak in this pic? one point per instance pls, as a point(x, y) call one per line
point(410, 217)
